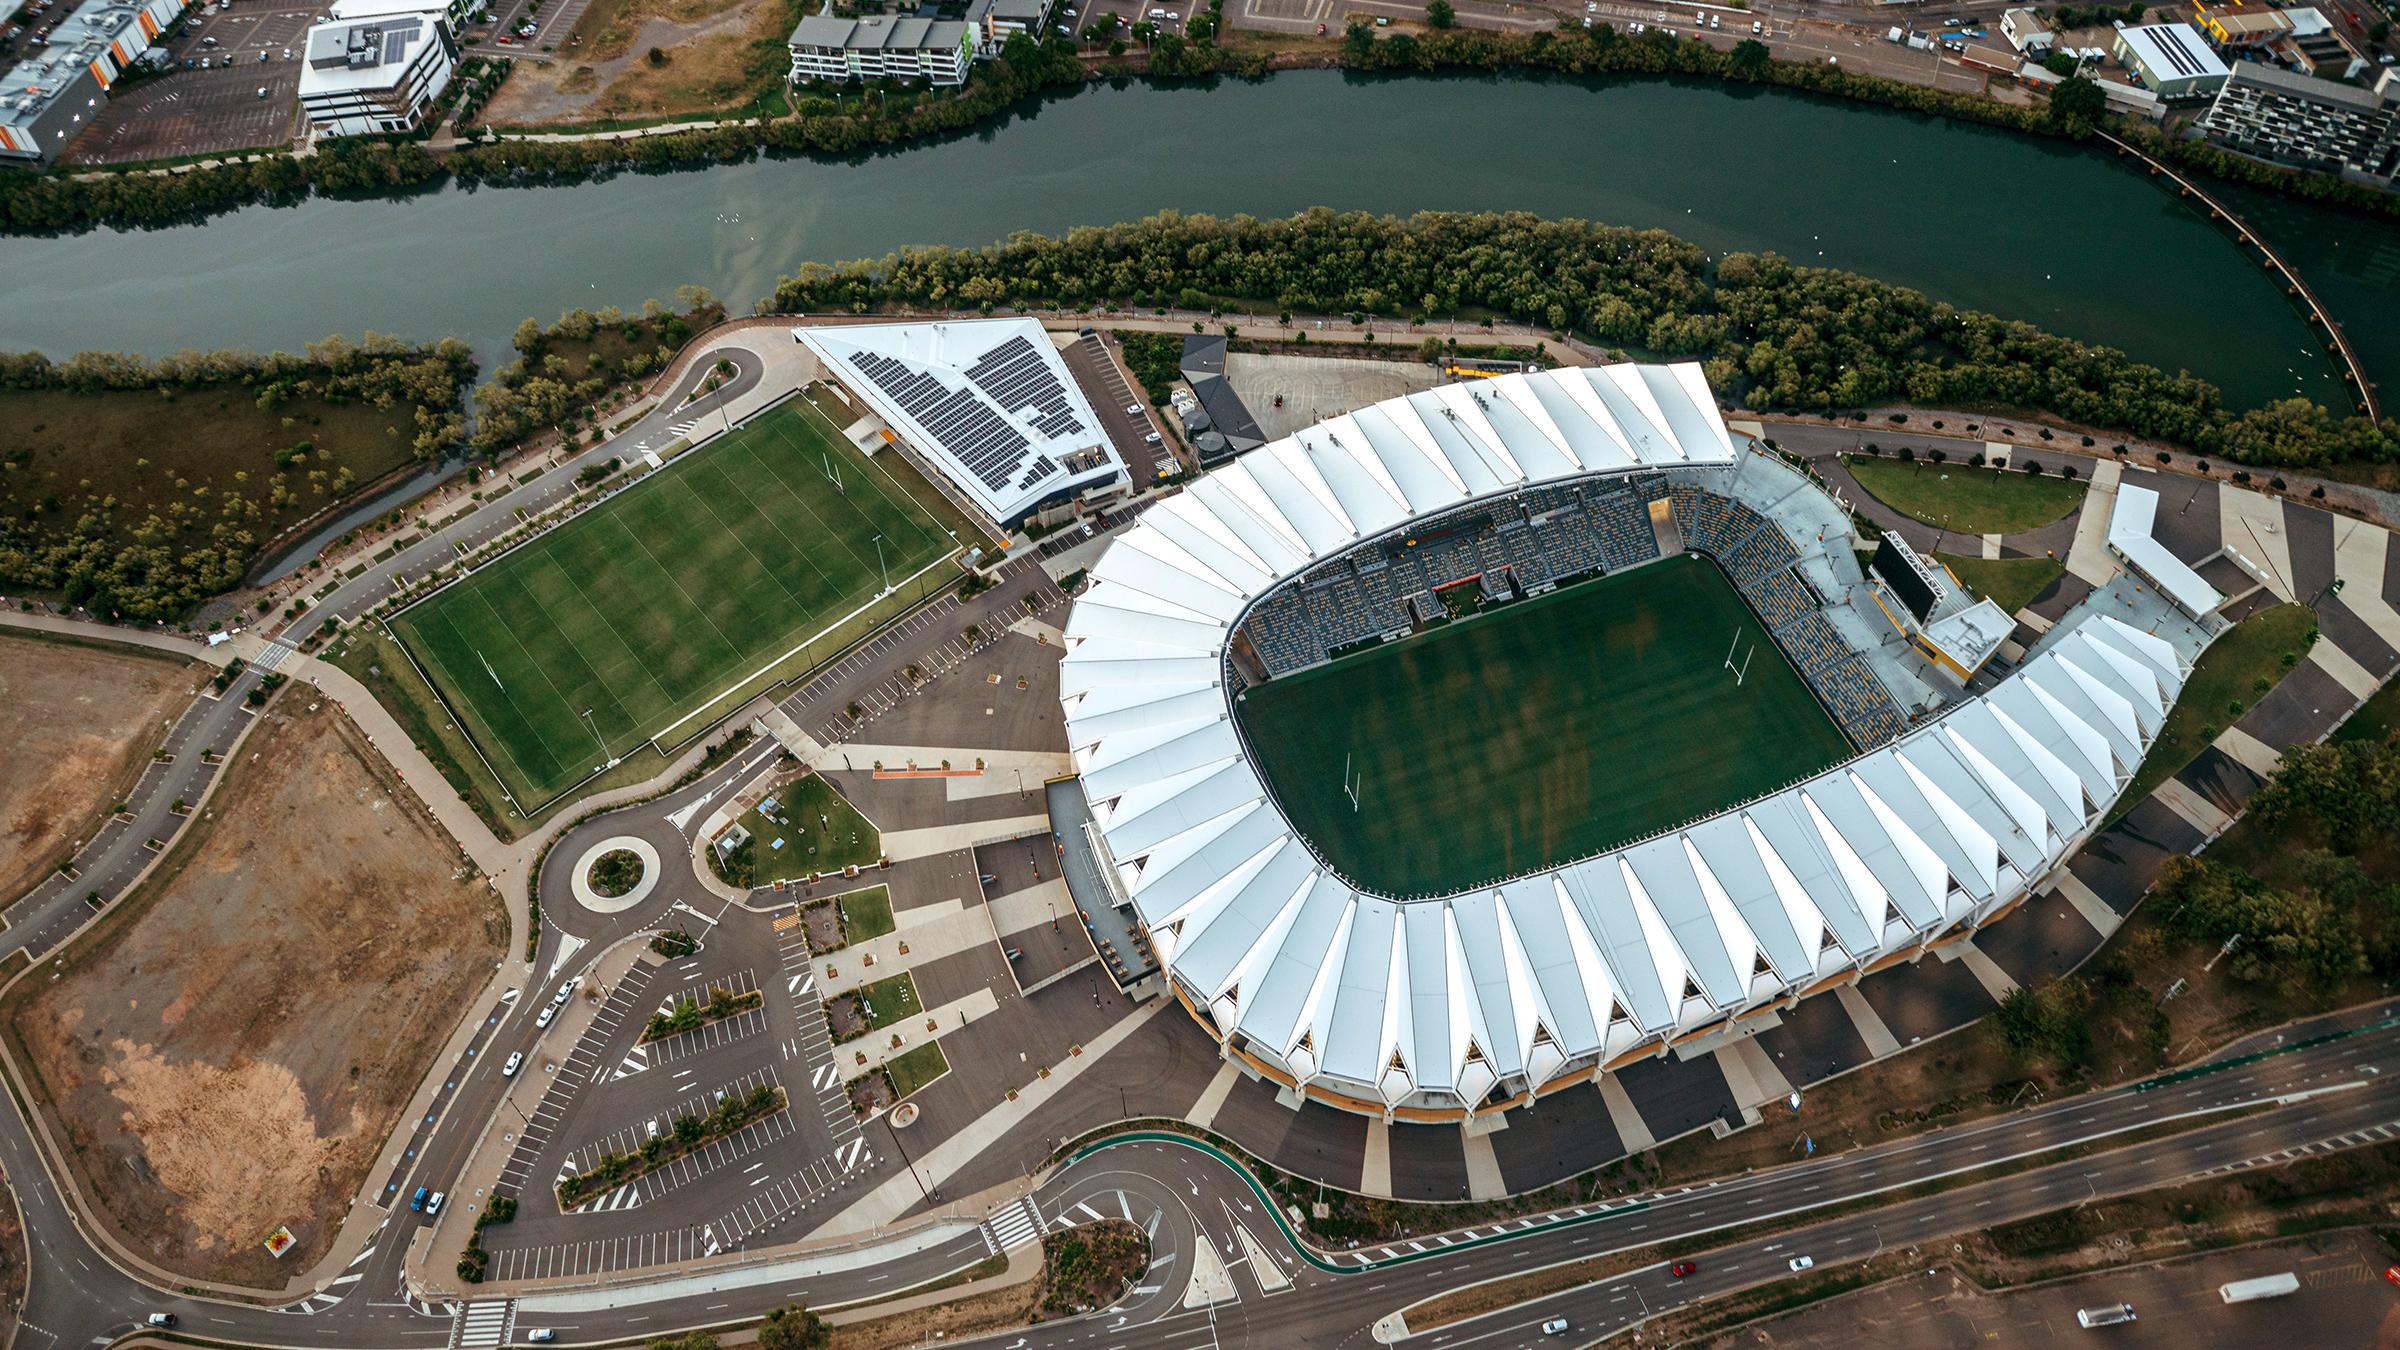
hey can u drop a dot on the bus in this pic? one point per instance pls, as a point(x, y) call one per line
point(2265, 1286)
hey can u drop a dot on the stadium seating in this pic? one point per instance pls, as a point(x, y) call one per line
point(1562, 532)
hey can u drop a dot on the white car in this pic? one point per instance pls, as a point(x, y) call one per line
point(566, 991)
point(516, 1061)
point(1556, 1326)
point(541, 1335)
point(1133, 410)
point(549, 1011)
point(433, 1204)
point(1802, 1262)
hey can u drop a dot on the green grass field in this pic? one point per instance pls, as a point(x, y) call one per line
point(1969, 500)
point(1544, 732)
point(610, 629)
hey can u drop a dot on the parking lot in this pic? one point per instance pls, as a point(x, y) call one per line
point(1094, 366)
point(212, 109)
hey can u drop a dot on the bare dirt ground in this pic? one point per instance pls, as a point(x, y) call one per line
point(230, 1050)
point(712, 61)
point(79, 723)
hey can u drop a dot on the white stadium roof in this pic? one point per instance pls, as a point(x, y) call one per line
point(1434, 1002)
point(988, 400)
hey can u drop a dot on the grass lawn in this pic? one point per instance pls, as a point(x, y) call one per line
point(866, 914)
point(806, 845)
point(915, 1069)
point(2232, 676)
point(888, 1000)
point(1538, 733)
point(1971, 501)
point(2010, 583)
point(2375, 719)
point(619, 626)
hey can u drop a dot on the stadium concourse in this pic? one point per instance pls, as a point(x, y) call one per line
point(1429, 1007)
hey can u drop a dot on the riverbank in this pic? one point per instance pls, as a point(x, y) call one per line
point(142, 198)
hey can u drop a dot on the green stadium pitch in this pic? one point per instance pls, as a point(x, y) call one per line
point(614, 629)
point(1540, 733)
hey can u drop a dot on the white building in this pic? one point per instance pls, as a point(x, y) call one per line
point(2172, 60)
point(987, 402)
point(994, 20)
point(937, 51)
point(2027, 32)
point(376, 66)
point(1429, 1007)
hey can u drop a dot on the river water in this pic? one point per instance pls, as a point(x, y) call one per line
point(2066, 237)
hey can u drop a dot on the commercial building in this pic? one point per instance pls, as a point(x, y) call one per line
point(994, 20)
point(2028, 32)
point(1430, 1008)
point(2316, 47)
point(56, 91)
point(1954, 631)
point(2232, 27)
point(937, 51)
point(985, 405)
point(2298, 119)
point(376, 67)
point(2172, 60)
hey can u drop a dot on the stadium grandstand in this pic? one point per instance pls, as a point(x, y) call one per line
point(1427, 1007)
point(988, 401)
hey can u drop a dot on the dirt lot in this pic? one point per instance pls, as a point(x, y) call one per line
point(232, 1048)
point(717, 54)
point(79, 723)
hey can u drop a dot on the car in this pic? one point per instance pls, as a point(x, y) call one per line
point(417, 1201)
point(1587, 20)
point(1754, 28)
point(262, 91)
point(1320, 30)
point(1133, 410)
point(262, 54)
point(1151, 439)
point(1713, 22)
point(541, 1335)
point(433, 1203)
point(653, 1129)
point(2392, 1273)
point(159, 1320)
point(1382, 22)
point(1683, 1268)
point(287, 53)
point(190, 64)
point(516, 1061)
point(566, 991)
point(1556, 1326)
point(209, 41)
point(544, 1017)
point(1801, 1262)
point(505, 41)
point(1699, 20)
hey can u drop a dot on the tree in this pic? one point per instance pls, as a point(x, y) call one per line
point(1748, 58)
point(793, 1327)
point(1440, 14)
point(690, 1340)
point(1358, 43)
point(2077, 103)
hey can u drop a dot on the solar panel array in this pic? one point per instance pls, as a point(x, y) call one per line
point(961, 424)
point(1018, 379)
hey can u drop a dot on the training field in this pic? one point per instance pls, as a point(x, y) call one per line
point(649, 606)
point(1543, 732)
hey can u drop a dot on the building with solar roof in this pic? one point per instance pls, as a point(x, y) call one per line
point(1446, 1006)
point(987, 403)
point(375, 67)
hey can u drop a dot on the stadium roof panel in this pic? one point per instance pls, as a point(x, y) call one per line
point(1437, 1000)
point(989, 401)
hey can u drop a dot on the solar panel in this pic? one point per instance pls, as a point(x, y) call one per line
point(963, 425)
point(1018, 379)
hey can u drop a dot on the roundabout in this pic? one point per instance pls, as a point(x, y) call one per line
point(602, 858)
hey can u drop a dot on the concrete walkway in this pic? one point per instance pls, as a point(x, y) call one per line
point(905, 845)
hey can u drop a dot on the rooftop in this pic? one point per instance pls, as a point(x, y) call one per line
point(2172, 51)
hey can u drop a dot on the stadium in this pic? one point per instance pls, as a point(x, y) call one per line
point(1733, 790)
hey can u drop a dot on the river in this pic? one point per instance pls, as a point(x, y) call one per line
point(2064, 236)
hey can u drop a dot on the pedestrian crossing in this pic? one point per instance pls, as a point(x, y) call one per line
point(684, 430)
point(2372, 1134)
point(273, 656)
point(1012, 1227)
point(480, 1326)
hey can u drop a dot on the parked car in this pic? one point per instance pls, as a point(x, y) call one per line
point(516, 1061)
point(417, 1201)
point(433, 1204)
point(548, 1012)
point(262, 91)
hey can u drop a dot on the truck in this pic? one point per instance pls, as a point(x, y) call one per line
point(2107, 1315)
point(1898, 34)
point(2265, 1286)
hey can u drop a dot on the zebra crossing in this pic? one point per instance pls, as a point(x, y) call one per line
point(1013, 1227)
point(272, 656)
point(682, 431)
point(342, 1284)
point(2372, 1134)
point(480, 1326)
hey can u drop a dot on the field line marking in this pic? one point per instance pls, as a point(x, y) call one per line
point(673, 581)
point(913, 504)
point(536, 662)
point(813, 514)
point(797, 646)
point(631, 655)
point(457, 715)
point(499, 739)
point(755, 509)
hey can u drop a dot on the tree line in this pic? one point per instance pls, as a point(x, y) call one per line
point(1774, 335)
point(150, 541)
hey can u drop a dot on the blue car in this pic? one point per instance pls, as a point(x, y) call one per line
point(417, 1201)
